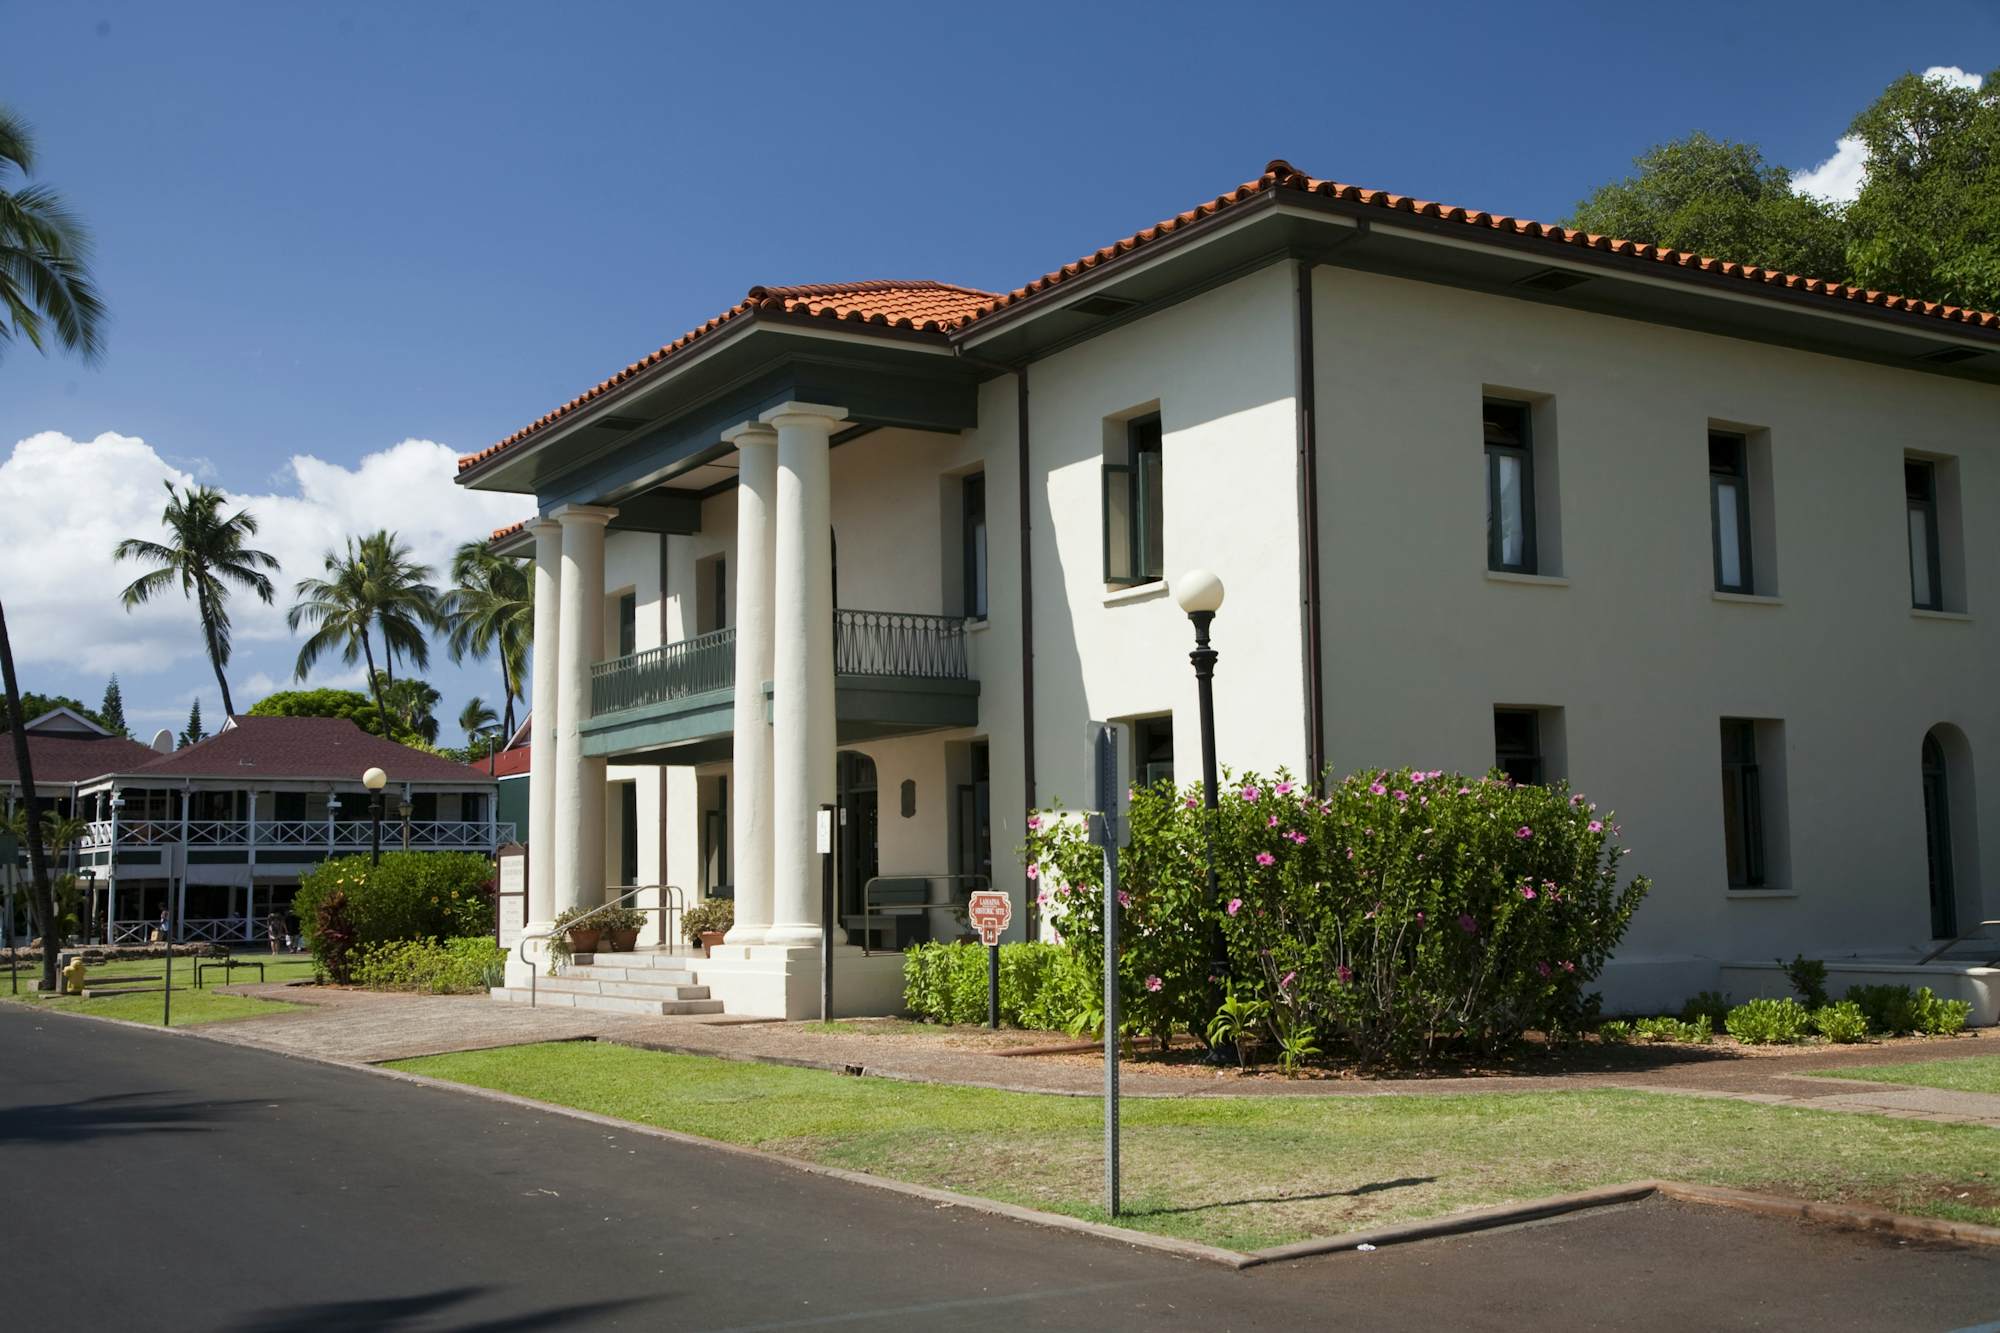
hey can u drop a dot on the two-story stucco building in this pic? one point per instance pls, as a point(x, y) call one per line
point(1710, 542)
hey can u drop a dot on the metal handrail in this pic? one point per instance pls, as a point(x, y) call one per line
point(1957, 940)
point(675, 905)
point(974, 884)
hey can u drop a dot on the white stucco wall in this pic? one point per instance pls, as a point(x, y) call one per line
point(1635, 648)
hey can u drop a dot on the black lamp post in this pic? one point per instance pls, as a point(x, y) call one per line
point(1199, 593)
point(374, 780)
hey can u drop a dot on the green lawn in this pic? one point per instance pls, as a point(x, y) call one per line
point(190, 1007)
point(1248, 1172)
point(1973, 1073)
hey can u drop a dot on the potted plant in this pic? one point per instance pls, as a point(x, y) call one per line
point(621, 926)
point(707, 922)
point(568, 940)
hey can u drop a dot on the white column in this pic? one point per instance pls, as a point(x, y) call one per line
point(540, 834)
point(802, 731)
point(756, 537)
point(579, 803)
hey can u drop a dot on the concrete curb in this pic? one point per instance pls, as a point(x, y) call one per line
point(1848, 1216)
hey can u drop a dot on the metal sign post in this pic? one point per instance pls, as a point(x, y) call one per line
point(824, 834)
point(167, 995)
point(991, 910)
point(1109, 795)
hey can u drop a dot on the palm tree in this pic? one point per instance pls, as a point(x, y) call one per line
point(415, 704)
point(490, 609)
point(342, 606)
point(205, 556)
point(45, 286)
point(406, 603)
point(476, 720)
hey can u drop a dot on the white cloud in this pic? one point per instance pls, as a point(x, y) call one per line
point(1839, 179)
point(69, 502)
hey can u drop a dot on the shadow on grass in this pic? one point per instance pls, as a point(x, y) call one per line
point(1359, 1191)
point(115, 1115)
point(393, 1312)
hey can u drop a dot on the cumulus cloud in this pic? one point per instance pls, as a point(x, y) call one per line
point(1838, 180)
point(69, 502)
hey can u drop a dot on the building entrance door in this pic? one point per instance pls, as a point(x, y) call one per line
point(860, 811)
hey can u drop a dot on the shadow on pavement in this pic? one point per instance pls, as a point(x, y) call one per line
point(113, 1115)
point(393, 1312)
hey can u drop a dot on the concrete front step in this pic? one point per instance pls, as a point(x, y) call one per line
point(641, 990)
point(658, 976)
point(621, 1004)
point(638, 958)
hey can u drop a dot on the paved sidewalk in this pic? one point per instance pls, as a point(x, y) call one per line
point(371, 1027)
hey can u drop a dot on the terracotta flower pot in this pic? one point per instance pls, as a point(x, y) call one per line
point(624, 941)
point(584, 939)
point(709, 939)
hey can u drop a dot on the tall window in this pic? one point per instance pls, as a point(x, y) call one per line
point(1937, 841)
point(628, 833)
point(1517, 745)
point(1133, 508)
point(628, 624)
point(1153, 749)
point(973, 536)
point(1510, 488)
point(1920, 489)
point(1742, 804)
point(1729, 510)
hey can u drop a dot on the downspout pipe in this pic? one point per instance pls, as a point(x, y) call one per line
point(1305, 397)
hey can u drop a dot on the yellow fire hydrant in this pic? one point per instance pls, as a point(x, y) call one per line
point(72, 977)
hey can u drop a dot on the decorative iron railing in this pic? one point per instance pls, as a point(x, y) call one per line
point(900, 643)
point(865, 643)
point(672, 671)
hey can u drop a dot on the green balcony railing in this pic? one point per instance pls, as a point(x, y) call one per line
point(865, 643)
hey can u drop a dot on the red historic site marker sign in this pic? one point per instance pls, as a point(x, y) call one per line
point(991, 910)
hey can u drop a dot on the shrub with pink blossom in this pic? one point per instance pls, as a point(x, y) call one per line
point(1400, 915)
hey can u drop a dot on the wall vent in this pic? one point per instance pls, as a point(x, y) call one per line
point(1553, 280)
point(1950, 356)
point(618, 423)
point(1102, 307)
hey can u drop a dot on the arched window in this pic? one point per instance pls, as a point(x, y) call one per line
point(1937, 840)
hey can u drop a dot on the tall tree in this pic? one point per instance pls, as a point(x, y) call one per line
point(40, 894)
point(1927, 221)
point(206, 556)
point(195, 732)
point(33, 705)
point(476, 720)
point(406, 602)
point(112, 714)
point(341, 607)
point(490, 611)
point(1722, 200)
point(46, 293)
point(413, 702)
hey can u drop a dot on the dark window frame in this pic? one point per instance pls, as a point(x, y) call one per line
point(1140, 481)
point(628, 623)
point(1734, 468)
point(1521, 448)
point(1525, 765)
point(1922, 498)
point(1938, 847)
point(1152, 744)
point(1743, 803)
point(974, 548)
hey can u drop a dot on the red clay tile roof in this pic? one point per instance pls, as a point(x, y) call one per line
point(501, 534)
point(942, 308)
point(921, 306)
point(69, 758)
point(330, 749)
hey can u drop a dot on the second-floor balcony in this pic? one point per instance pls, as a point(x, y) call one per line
point(345, 835)
point(893, 671)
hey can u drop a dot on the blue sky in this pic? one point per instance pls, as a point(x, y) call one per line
point(326, 230)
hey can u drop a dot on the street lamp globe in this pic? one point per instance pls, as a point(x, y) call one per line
point(1198, 590)
point(374, 779)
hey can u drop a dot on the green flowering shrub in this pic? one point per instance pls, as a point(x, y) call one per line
point(409, 896)
point(1899, 1011)
point(1404, 913)
point(1841, 1023)
point(1619, 1032)
point(1041, 985)
point(1710, 1006)
point(461, 966)
point(1769, 1022)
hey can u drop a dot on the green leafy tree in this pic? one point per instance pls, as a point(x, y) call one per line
point(477, 721)
point(351, 705)
point(46, 292)
point(111, 716)
point(1722, 200)
point(195, 732)
point(33, 705)
point(490, 611)
point(414, 703)
point(206, 556)
point(1927, 221)
point(372, 587)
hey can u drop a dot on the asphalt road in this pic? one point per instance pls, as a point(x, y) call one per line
point(162, 1182)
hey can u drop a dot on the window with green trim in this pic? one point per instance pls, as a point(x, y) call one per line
point(1134, 551)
